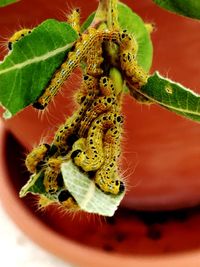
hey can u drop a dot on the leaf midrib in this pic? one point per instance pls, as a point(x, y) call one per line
point(37, 59)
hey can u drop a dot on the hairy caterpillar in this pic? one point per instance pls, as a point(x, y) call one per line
point(74, 20)
point(43, 202)
point(88, 153)
point(95, 59)
point(106, 86)
point(36, 156)
point(52, 177)
point(107, 177)
point(81, 49)
point(66, 134)
point(100, 105)
point(67, 201)
point(113, 16)
point(17, 36)
point(89, 87)
point(128, 52)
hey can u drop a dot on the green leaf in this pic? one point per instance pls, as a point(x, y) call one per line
point(27, 69)
point(134, 24)
point(172, 96)
point(190, 8)
point(87, 22)
point(7, 2)
point(34, 185)
point(88, 196)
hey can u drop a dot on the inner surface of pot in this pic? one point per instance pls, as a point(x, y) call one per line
point(129, 232)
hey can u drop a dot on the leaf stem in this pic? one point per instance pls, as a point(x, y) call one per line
point(106, 13)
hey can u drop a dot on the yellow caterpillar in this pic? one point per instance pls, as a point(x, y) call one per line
point(51, 175)
point(100, 105)
point(36, 156)
point(89, 87)
point(67, 133)
point(17, 36)
point(74, 19)
point(43, 202)
point(81, 51)
point(128, 52)
point(67, 201)
point(88, 153)
point(107, 177)
point(95, 59)
point(106, 86)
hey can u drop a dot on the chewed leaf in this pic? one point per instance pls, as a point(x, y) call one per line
point(27, 69)
point(7, 2)
point(134, 24)
point(172, 96)
point(185, 8)
point(88, 196)
point(34, 185)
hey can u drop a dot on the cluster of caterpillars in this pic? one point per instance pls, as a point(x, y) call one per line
point(91, 136)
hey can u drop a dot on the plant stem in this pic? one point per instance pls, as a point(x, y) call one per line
point(106, 13)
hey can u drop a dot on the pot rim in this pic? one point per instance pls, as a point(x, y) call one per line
point(70, 250)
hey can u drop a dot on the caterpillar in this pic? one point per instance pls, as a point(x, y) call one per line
point(88, 153)
point(89, 87)
point(74, 20)
point(36, 156)
point(81, 50)
point(106, 86)
point(67, 201)
point(113, 15)
point(52, 177)
point(17, 36)
point(128, 62)
point(95, 59)
point(100, 105)
point(107, 177)
point(66, 134)
point(44, 201)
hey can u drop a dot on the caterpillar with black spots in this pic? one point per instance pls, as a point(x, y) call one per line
point(81, 50)
point(67, 133)
point(88, 153)
point(107, 176)
point(17, 36)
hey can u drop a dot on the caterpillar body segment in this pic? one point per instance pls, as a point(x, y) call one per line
point(67, 133)
point(107, 176)
point(132, 69)
point(88, 153)
point(128, 62)
point(95, 60)
point(113, 15)
point(74, 20)
point(106, 86)
point(88, 88)
point(100, 105)
point(51, 175)
point(36, 156)
point(67, 201)
point(17, 36)
point(44, 201)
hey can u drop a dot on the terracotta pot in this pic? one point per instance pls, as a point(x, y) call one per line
point(130, 238)
point(160, 159)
